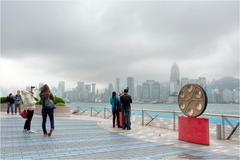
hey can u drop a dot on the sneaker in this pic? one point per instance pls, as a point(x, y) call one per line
point(25, 130)
point(30, 131)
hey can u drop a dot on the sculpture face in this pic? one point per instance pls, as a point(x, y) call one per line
point(192, 100)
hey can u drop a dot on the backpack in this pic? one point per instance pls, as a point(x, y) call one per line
point(48, 104)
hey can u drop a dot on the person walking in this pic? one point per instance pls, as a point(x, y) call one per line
point(48, 107)
point(115, 102)
point(18, 102)
point(126, 101)
point(29, 105)
point(10, 102)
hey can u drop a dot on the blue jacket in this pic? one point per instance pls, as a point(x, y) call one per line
point(114, 101)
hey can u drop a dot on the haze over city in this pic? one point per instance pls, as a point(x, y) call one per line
point(92, 41)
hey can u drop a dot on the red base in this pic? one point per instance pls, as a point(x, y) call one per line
point(194, 130)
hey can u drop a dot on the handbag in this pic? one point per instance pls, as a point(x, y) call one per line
point(24, 114)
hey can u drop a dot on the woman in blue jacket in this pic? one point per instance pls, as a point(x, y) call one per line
point(115, 102)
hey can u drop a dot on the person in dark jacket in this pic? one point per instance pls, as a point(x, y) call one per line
point(126, 101)
point(47, 99)
point(10, 102)
point(18, 102)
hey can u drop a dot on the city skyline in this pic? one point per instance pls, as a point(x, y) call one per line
point(101, 40)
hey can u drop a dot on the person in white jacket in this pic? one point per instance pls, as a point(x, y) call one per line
point(29, 105)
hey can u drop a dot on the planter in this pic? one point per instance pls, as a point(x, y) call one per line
point(60, 111)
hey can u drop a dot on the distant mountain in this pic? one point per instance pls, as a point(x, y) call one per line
point(226, 82)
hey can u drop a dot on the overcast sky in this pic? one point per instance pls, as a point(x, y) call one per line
point(97, 41)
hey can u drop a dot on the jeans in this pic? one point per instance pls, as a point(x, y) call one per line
point(27, 124)
point(10, 106)
point(116, 114)
point(17, 106)
point(126, 118)
point(50, 113)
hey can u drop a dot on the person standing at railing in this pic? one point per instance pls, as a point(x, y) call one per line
point(18, 102)
point(126, 101)
point(10, 102)
point(115, 102)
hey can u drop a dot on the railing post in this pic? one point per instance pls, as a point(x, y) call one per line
point(91, 111)
point(223, 128)
point(174, 121)
point(104, 114)
point(142, 117)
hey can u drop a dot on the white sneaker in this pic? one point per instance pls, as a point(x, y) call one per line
point(30, 131)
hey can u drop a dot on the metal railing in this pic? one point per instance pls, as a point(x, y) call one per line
point(146, 117)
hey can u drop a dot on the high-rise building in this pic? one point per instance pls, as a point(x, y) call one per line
point(139, 92)
point(202, 81)
point(61, 89)
point(93, 88)
point(146, 91)
point(130, 85)
point(117, 85)
point(110, 89)
point(80, 91)
point(174, 80)
point(155, 91)
point(150, 82)
point(227, 96)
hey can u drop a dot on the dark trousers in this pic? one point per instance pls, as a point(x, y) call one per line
point(116, 114)
point(27, 124)
point(50, 113)
point(126, 118)
point(17, 106)
point(10, 106)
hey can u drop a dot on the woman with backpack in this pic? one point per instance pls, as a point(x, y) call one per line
point(48, 107)
point(115, 102)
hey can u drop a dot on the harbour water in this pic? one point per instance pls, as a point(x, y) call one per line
point(229, 109)
point(225, 109)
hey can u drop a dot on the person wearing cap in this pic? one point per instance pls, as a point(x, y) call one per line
point(29, 105)
point(126, 101)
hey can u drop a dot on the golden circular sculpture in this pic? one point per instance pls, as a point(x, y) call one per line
point(192, 100)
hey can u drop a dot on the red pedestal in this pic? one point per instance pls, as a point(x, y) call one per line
point(193, 130)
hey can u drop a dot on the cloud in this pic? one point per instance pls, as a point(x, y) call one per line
point(97, 41)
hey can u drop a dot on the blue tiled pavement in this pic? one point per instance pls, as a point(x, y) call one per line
point(80, 139)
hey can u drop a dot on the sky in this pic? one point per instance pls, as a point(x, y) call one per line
point(98, 41)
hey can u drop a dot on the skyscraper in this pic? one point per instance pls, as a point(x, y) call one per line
point(155, 91)
point(139, 92)
point(93, 88)
point(61, 89)
point(130, 85)
point(110, 89)
point(146, 91)
point(117, 85)
point(174, 80)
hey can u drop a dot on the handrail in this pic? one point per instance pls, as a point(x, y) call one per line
point(168, 111)
point(107, 110)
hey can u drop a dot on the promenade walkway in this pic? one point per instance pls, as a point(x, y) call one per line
point(78, 137)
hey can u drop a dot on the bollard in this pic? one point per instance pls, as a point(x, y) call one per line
point(219, 132)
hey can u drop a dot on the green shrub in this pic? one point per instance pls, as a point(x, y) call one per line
point(3, 99)
point(58, 100)
point(60, 104)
